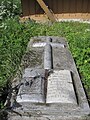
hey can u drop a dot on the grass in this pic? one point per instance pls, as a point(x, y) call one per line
point(14, 37)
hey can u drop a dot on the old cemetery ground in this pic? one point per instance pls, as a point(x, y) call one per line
point(14, 37)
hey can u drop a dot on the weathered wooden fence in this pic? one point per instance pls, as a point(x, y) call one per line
point(76, 9)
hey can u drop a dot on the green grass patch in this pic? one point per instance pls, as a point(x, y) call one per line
point(14, 37)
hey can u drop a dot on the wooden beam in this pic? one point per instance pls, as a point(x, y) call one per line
point(46, 10)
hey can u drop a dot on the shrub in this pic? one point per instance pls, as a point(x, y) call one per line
point(9, 8)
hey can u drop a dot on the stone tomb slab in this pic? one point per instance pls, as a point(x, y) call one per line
point(60, 88)
point(65, 98)
point(32, 89)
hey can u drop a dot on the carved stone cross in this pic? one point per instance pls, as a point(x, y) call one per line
point(48, 53)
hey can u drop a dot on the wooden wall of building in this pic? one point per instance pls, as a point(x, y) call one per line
point(62, 8)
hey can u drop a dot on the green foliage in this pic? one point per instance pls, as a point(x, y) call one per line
point(13, 40)
point(9, 8)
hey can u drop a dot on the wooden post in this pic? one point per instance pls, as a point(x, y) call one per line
point(46, 10)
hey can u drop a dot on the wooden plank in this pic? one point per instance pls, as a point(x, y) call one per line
point(79, 6)
point(66, 6)
point(54, 6)
point(49, 4)
point(25, 7)
point(46, 10)
point(84, 7)
point(72, 6)
point(32, 7)
point(88, 7)
point(60, 6)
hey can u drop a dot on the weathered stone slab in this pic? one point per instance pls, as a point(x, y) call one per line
point(32, 89)
point(30, 73)
point(65, 96)
point(60, 88)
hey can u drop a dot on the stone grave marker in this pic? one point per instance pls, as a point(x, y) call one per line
point(60, 88)
point(50, 89)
